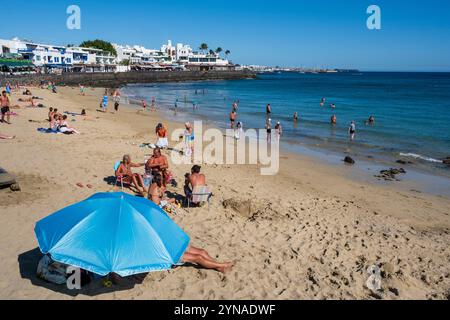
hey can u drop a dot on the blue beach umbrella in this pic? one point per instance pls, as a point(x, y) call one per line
point(113, 233)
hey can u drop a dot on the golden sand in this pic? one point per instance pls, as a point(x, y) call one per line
point(308, 233)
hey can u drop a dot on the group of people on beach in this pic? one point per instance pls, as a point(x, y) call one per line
point(157, 167)
point(59, 122)
point(278, 127)
point(333, 120)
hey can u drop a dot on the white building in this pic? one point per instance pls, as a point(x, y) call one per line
point(50, 56)
point(201, 61)
point(183, 52)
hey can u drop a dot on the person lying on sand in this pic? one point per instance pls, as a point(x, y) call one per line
point(4, 136)
point(27, 92)
point(202, 258)
point(158, 164)
point(157, 191)
point(31, 100)
point(129, 177)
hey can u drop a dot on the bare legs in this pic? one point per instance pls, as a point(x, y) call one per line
point(203, 259)
point(138, 182)
point(7, 118)
point(2, 136)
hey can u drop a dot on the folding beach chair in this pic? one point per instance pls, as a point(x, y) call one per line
point(200, 194)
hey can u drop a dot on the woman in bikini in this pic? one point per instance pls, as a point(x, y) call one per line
point(129, 177)
point(156, 194)
point(64, 126)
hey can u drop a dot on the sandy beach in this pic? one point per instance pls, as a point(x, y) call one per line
point(309, 232)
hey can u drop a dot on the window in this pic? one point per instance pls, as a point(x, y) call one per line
point(38, 58)
point(56, 60)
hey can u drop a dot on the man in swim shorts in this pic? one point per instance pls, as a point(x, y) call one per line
point(4, 103)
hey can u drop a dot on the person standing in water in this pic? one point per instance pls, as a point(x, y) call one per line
point(268, 110)
point(279, 131)
point(269, 130)
point(322, 102)
point(239, 130)
point(352, 130)
point(143, 105)
point(334, 120)
point(296, 117)
point(233, 116)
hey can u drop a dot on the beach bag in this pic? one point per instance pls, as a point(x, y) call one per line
point(51, 271)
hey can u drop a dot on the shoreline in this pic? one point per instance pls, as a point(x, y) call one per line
point(309, 232)
point(417, 179)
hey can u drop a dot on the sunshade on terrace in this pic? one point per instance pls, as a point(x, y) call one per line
point(13, 63)
point(113, 233)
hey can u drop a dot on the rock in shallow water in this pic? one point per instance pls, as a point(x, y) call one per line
point(390, 175)
point(349, 160)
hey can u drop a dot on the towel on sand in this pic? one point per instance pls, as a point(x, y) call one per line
point(44, 130)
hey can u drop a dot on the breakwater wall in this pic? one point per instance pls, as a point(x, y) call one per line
point(113, 80)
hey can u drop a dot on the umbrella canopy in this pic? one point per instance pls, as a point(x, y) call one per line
point(14, 63)
point(113, 233)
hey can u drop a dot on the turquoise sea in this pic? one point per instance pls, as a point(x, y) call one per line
point(412, 111)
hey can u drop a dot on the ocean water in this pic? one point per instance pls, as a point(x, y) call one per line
point(412, 110)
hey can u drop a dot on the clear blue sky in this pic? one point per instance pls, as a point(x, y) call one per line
point(415, 35)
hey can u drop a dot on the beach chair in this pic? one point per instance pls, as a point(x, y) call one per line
point(119, 178)
point(200, 194)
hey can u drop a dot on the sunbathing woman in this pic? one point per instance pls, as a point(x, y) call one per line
point(129, 177)
point(157, 191)
point(64, 126)
point(203, 259)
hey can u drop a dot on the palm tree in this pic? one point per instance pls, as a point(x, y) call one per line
point(227, 53)
point(211, 52)
point(204, 47)
point(219, 50)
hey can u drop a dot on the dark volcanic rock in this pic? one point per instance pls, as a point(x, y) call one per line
point(390, 175)
point(349, 160)
point(446, 161)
